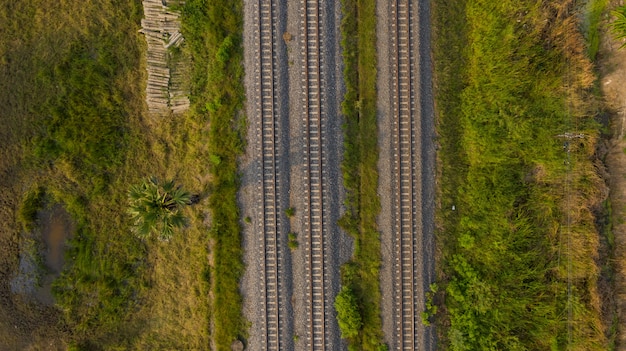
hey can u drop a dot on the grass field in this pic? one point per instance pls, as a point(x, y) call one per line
point(360, 276)
point(72, 80)
point(518, 255)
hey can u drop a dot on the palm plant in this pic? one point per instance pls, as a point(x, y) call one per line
point(618, 27)
point(156, 209)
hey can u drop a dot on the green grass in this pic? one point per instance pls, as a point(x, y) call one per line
point(361, 274)
point(213, 31)
point(77, 155)
point(618, 26)
point(73, 82)
point(292, 242)
point(591, 28)
point(290, 212)
point(517, 256)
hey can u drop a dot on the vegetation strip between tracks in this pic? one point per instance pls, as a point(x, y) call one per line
point(358, 303)
point(213, 30)
point(518, 244)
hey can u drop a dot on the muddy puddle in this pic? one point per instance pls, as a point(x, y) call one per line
point(46, 245)
point(56, 227)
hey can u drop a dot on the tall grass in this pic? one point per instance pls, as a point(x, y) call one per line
point(591, 26)
point(518, 253)
point(214, 33)
point(360, 276)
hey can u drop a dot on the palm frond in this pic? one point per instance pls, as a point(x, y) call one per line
point(155, 208)
point(618, 27)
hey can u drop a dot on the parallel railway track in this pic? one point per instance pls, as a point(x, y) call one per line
point(406, 151)
point(315, 216)
point(271, 246)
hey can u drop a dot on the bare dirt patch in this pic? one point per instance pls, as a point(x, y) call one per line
point(612, 65)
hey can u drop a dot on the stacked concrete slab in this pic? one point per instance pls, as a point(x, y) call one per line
point(161, 26)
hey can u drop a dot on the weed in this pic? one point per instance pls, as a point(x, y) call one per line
point(290, 212)
point(430, 307)
point(33, 202)
point(293, 240)
point(593, 15)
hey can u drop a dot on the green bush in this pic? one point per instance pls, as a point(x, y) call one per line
point(348, 315)
point(290, 212)
point(293, 241)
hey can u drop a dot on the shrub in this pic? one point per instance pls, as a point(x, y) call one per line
point(156, 208)
point(348, 315)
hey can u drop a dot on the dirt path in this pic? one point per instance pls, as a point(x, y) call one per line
point(612, 64)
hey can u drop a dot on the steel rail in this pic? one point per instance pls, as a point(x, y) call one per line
point(405, 222)
point(313, 119)
point(270, 205)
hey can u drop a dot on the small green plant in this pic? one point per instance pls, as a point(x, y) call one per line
point(248, 220)
point(430, 308)
point(293, 241)
point(215, 160)
point(296, 337)
point(618, 27)
point(290, 212)
point(156, 208)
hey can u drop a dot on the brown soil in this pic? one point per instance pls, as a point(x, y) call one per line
point(28, 318)
point(612, 65)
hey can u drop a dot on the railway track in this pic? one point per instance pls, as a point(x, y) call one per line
point(407, 193)
point(315, 216)
point(271, 246)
